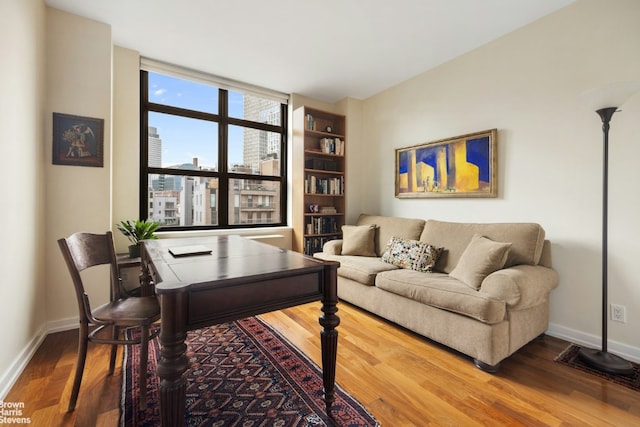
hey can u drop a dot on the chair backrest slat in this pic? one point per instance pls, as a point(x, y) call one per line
point(88, 250)
point(85, 250)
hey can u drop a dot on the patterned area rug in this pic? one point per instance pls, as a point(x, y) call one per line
point(242, 373)
point(570, 357)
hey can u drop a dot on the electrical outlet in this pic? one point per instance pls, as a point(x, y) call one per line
point(618, 313)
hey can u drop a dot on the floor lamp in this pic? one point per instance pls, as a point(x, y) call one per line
point(606, 101)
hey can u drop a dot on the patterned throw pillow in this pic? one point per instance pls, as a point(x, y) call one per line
point(412, 254)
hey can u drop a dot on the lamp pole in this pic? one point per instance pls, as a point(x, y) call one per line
point(602, 359)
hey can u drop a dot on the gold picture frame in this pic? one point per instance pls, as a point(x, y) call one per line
point(462, 166)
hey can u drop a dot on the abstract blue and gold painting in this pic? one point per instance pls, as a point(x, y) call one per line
point(463, 166)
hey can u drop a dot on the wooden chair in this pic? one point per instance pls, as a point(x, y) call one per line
point(84, 250)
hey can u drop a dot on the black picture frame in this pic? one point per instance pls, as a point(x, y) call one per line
point(77, 140)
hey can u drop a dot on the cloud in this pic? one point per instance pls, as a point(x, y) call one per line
point(160, 92)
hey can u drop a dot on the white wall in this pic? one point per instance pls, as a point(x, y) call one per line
point(22, 287)
point(527, 85)
point(78, 82)
point(126, 138)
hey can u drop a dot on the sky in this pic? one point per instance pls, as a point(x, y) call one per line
point(183, 138)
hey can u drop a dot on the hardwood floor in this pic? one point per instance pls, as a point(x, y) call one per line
point(403, 380)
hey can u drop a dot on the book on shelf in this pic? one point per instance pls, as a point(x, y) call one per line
point(322, 225)
point(315, 185)
point(311, 123)
point(321, 164)
point(332, 146)
point(315, 244)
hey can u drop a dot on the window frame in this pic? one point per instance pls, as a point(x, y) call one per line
point(223, 175)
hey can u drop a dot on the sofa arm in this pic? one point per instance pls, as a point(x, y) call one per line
point(521, 286)
point(333, 247)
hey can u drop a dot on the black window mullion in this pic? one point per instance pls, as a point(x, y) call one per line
point(183, 172)
point(254, 125)
point(183, 112)
point(223, 153)
point(143, 207)
point(283, 162)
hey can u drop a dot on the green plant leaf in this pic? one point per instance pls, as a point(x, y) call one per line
point(137, 230)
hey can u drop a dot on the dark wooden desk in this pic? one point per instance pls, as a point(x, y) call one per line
point(240, 278)
point(125, 261)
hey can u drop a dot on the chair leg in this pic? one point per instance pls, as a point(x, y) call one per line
point(114, 349)
point(144, 359)
point(83, 340)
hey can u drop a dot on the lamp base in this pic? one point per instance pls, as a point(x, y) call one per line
point(606, 362)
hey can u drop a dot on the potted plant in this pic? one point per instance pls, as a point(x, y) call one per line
point(137, 231)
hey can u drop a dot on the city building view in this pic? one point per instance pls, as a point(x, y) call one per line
point(182, 200)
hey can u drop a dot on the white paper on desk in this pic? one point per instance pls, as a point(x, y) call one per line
point(181, 251)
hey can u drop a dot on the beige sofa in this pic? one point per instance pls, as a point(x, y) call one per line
point(462, 303)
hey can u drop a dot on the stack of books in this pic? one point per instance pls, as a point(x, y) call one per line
point(328, 210)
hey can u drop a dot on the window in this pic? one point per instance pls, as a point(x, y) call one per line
point(212, 154)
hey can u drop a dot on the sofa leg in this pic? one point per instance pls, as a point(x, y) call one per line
point(492, 369)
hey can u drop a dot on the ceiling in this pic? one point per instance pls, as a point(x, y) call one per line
point(326, 50)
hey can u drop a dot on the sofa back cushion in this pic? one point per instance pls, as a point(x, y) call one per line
point(388, 227)
point(527, 240)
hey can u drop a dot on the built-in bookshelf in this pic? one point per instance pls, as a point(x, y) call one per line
point(318, 178)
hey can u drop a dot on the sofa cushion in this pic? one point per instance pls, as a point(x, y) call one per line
point(358, 240)
point(442, 291)
point(333, 247)
point(359, 268)
point(412, 254)
point(527, 240)
point(481, 257)
point(405, 228)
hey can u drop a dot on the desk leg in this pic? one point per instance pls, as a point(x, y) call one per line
point(146, 286)
point(173, 360)
point(329, 336)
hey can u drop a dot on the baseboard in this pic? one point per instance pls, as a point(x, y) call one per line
point(12, 374)
point(62, 325)
point(628, 352)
